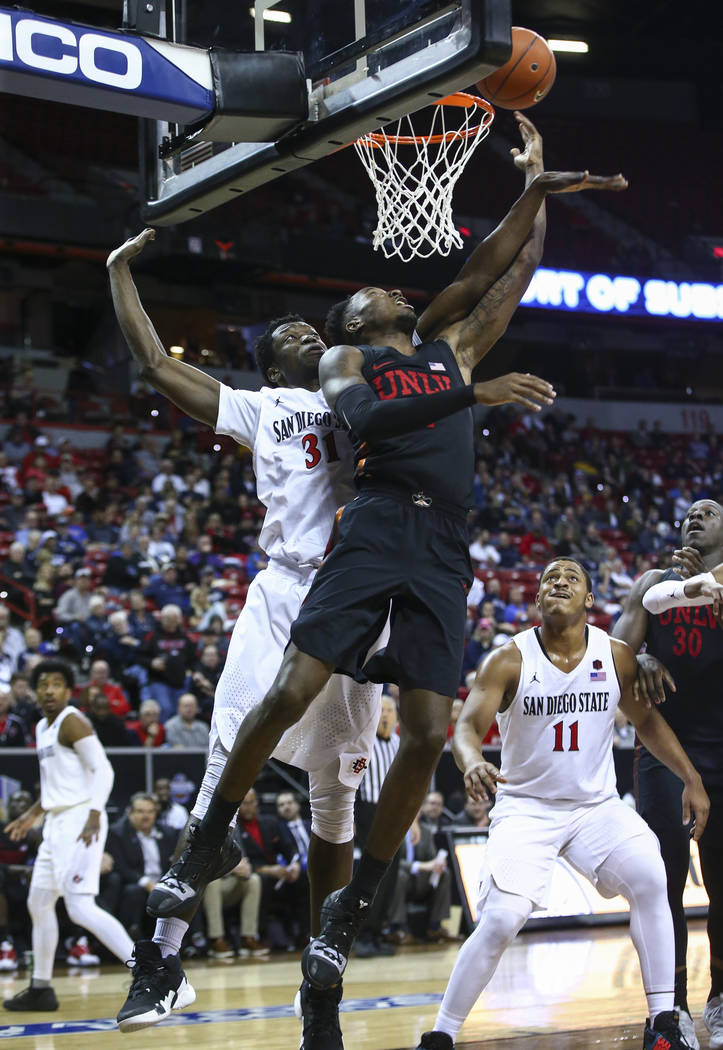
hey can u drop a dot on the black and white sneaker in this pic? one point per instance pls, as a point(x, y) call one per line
point(159, 986)
point(324, 960)
point(184, 882)
point(319, 1012)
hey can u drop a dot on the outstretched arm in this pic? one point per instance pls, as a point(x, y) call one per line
point(348, 393)
point(494, 686)
point(190, 389)
point(498, 302)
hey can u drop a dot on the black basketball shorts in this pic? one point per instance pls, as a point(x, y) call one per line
point(391, 555)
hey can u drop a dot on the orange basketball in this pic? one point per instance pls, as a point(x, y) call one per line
point(526, 78)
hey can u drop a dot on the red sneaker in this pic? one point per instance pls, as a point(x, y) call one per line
point(81, 955)
point(8, 958)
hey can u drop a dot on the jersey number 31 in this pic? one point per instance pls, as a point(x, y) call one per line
point(310, 444)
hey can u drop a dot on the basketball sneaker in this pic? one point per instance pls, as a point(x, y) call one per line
point(688, 1028)
point(324, 960)
point(8, 958)
point(34, 1000)
point(184, 882)
point(319, 1012)
point(159, 986)
point(436, 1041)
point(664, 1033)
point(80, 954)
point(713, 1018)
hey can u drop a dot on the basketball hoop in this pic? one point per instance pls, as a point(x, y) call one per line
point(414, 201)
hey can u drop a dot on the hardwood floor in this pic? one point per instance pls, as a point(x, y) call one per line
point(552, 991)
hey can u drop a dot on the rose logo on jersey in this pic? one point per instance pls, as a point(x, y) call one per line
point(358, 766)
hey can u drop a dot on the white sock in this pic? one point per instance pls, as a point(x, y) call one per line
point(41, 905)
point(636, 871)
point(168, 935)
point(503, 915)
point(83, 910)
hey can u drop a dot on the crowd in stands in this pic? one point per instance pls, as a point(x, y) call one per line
point(133, 561)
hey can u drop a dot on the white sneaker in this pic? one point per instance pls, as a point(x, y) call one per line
point(713, 1018)
point(685, 1023)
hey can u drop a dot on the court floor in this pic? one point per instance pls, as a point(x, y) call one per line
point(553, 991)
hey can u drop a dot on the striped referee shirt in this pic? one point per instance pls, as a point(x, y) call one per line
point(381, 758)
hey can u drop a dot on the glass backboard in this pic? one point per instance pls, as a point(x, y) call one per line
point(368, 62)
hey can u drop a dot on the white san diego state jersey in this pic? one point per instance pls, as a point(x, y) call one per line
point(557, 734)
point(64, 780)
point(303, 461)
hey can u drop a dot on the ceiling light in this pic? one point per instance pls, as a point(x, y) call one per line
point(176, 351)
point(271, 15)
point(576, 47)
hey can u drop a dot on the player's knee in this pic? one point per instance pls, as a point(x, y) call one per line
point(287, 701)
point(651, 880)
point(501, 925)
point(426, 741)
point(332, 806)
point(39, 903)
point(78, 906)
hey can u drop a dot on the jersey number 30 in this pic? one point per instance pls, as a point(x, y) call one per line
point(310, 444)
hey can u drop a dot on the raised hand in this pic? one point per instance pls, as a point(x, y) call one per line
point(132, 247)
point(688, 562)
point(515, 388)
point(573, 181)
point(531, 155)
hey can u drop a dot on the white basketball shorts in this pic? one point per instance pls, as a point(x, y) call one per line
point(63, 864)
point(339, 725)
point(528, 834)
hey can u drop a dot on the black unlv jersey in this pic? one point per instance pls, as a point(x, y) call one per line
point(690, 644)
point(437, 459)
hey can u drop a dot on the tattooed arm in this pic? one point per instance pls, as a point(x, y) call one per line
point(473, 312)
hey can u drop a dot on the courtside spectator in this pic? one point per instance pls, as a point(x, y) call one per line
point(140, 852)
point(109, 728)
point(100, 680)
point(184, 729)
point(171, 814)
point(167, 653)
point(483, 552)
point(164, 588)
point(13, 731)
point(147, 730)
point(74, 604)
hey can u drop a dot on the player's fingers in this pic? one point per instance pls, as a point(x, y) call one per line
point(686, 811)
point(701, 819)
point(667, 677)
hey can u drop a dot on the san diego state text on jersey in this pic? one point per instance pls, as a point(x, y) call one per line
point(298, 422)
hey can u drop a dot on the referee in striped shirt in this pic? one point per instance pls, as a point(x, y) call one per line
point(386, 745)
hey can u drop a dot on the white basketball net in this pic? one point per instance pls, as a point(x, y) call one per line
point(414, 176)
